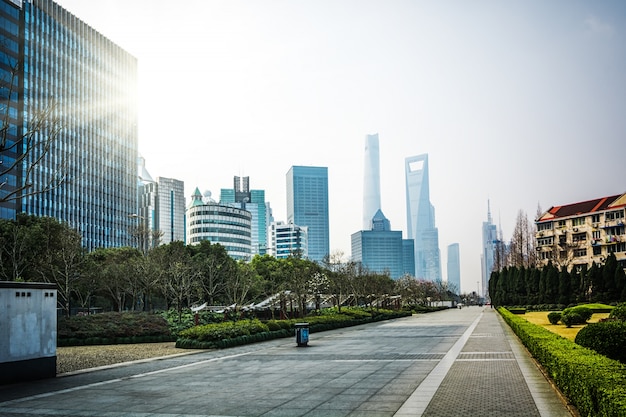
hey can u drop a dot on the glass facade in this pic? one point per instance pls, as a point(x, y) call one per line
point(421, 219)
point(287, 240)
point(229, 226)
point(307, 205)
point(371, 180)
point(86, 87)
point(454, 268)
point(242, 197)
point(10, 109)
point(171, 209)
point(382, 250)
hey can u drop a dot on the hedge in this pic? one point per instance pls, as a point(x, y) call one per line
point(241, 332)
point(112, 328)
point(595, 384)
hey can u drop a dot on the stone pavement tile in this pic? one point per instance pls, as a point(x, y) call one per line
point(475, 388)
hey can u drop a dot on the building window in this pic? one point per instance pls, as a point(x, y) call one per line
point(597, 250)
point(544, 226)
point(580, 252)
point(579, 237)
point(545, 241)
point(595, 218)
point(578, 221)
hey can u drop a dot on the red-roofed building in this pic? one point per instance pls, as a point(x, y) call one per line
point(575, 235)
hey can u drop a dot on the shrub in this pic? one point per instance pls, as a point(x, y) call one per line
point(619, 312)
point(554, 317)
point(607, 338)
point(109, 328)
point(584, 312)
point(569, 319)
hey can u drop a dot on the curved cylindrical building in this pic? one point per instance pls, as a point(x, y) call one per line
point(231, 227)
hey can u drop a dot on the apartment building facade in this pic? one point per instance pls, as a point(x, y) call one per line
point(576, 235)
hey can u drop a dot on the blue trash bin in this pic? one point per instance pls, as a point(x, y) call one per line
point(302, 334)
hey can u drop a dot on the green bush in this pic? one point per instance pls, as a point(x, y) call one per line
point(584, 312)
point(607, 338)
point(595, 384)
point(619, 312)
point(554, 317)
point(226, 330)
point(570, 319)
point(110, 328)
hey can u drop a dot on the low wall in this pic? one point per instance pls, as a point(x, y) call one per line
point(28, 331)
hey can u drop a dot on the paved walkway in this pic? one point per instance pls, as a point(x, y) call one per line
point(450, 363)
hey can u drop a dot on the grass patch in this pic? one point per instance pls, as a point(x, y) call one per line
point(540, 318)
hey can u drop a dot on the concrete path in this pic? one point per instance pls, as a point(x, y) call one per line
point(450, 363)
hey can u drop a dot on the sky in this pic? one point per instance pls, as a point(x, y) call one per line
point(519, 103)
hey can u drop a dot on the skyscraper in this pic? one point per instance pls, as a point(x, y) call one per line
point(243, 197)
point(380, 249)
point(171, 210)
point(454, 268)
point(421, 219)
point(371, 180)
point(490, 240)
point(85, 86)
point(307, 205)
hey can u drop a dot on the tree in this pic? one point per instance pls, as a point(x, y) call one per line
point(213, 266)
point(565, 286)
point(22, 151)
point(521, 249)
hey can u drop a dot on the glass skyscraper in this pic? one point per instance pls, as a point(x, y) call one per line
point(243, 197)
point(421, 219)
point(454, 268)
point(490, 240)
point(307, 205)
point(380, 249)
point(89, 84)
point(371, 180)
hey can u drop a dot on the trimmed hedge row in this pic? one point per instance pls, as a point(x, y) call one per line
point(112, 328)
point(228, 334)
point(595, 384)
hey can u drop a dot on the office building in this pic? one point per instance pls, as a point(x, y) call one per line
point(160, 217)
point(381, 250)
point(371, 180)
point(254, 201)
point(421, 219)
point(454, 268)
point(228, 226)
point(488, 256)
point(171, 210)
point(307, 205)
point(578, 234)
point(86, 87)
point(287, 239)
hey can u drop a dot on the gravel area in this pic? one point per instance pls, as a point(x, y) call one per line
point(75, 358)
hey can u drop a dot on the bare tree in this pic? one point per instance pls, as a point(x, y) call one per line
point(521, 251)
point(24, 148)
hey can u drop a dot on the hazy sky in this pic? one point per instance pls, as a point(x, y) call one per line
point(519, 102)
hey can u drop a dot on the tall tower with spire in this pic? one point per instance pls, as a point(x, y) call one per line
point(490, 240)
point(371, 180)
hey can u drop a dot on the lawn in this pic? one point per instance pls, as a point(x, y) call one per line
point(541, 318)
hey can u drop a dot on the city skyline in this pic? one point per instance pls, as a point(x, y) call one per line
point(506, 100)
